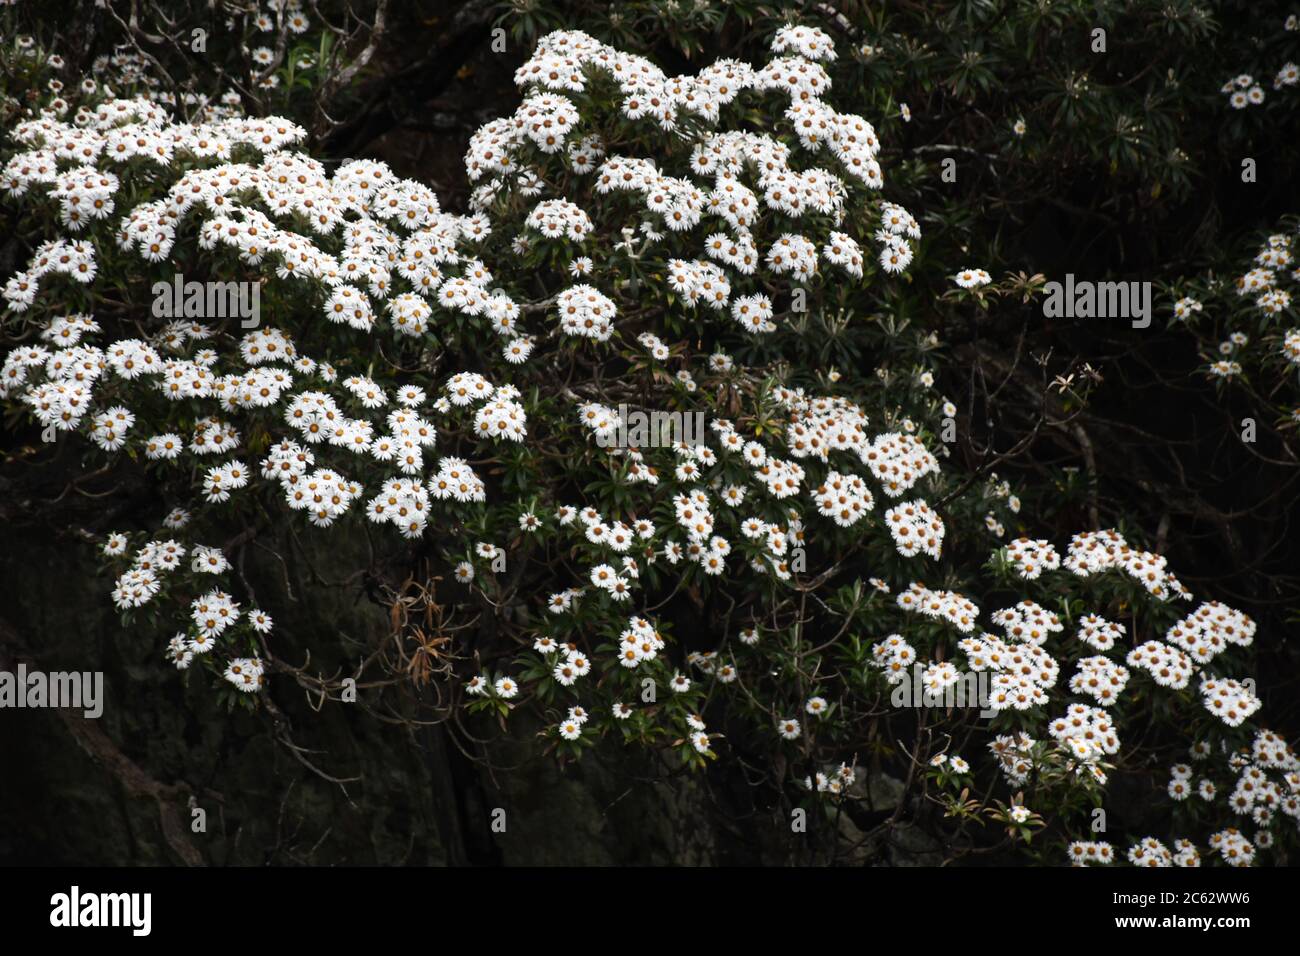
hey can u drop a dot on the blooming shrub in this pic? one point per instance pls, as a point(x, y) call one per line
point(715, 245)
point(195, 57)
point(1246, 326)
point(1016, 96)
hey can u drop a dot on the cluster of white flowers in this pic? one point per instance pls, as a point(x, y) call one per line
point(1180, 782)
point(67, 330)
point(734, 176)
point(1095, 552)
point(972, 278)
point(949, 606)
point(1084, 852)
point(238, 185)
point(1256, 280)
point(844, 498)
point(808, 42)
point(1148, 852)
point(654, 345)
point(1100, 678)
point(1032, 557)
point(898, 462)
point(404, 504)
point(141, 582)
point(1243, 91)
point(1099, 633)
point(246, 673)
point(237, 204)
point(842, 250)
point(211, 615)
point(1268, 781)
point(916, 529)
point(1271, 750)
point(1291, 346)
point(1224, 368)
point(456, 480)
point(571, 663)
point(554, 218)
point(954, 763)
point(938, 676)
point(1169, 666)
point(834, 783)
point(1233, 848)
point(1014, 754)
point(1264, 282)
point(709, 550)
point(601, 420)
point(316, 415)
point(109, 428)
point(753, 313)
point(697, 281)
point(1086, 731)
point(894, 656)
point(586, 312)
point(1186, 307)
point(731, 175)
point(1274, 262)
point(1022, 673)
point(1028, 623)
point(1151, 852)
point(1207, 631)
point(1229, 700)
point(821, 425)
point(503, 417)
point(638, 642)
point(221, 480)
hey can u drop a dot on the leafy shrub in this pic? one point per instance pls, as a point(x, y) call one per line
point(458, 390)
